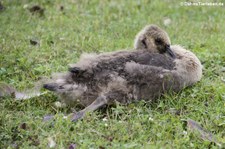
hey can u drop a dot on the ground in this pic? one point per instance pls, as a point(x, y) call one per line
point(37, 43)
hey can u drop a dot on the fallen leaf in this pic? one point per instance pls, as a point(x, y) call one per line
point(205, 135)
point(23, 126)
point(33, 42)
point(37, 9)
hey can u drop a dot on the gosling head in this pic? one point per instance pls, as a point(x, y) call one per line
point(59, 84)
point(63, 85)
point(153, 39)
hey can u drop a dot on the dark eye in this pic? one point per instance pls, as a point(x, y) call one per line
point(61, 87)
point(158, 41)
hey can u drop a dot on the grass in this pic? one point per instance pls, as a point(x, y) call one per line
point(101, 26)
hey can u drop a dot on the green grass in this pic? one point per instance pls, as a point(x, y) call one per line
point(101, 26)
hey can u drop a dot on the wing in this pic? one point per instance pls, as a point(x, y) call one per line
point(150, 82)
point(154, 59)
point(116, 61)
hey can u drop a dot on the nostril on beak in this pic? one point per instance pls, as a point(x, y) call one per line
point(50, 87)
point(74, 70)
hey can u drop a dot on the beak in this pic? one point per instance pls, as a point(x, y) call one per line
point(75, 70)
point(170, 52)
